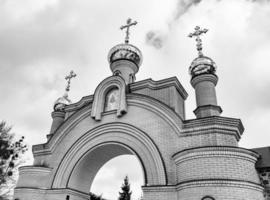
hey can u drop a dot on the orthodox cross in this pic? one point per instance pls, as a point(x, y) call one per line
point(197, 33)
point(68, 78)
point(127, 26)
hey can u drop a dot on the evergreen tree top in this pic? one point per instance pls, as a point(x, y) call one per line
point(126, 193)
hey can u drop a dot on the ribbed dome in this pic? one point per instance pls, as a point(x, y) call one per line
point(125, 52)
point(202, 65)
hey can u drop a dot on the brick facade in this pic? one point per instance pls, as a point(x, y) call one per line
point(181, 159)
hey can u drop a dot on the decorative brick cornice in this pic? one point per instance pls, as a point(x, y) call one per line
point(219, 183)
point(223, 125)
point(204, 183)
point(214, 151)
point(34, 170)
point(43, 191)
point(159, 188)
point(204, 77)
point(58, 114)
point(76, 106)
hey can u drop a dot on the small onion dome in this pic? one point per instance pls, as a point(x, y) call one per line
point(125, 52)
point(202, 65)
point(61, 103)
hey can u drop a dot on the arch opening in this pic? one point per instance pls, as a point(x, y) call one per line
point(110, 177)
point(92, 150)
point(88, 166)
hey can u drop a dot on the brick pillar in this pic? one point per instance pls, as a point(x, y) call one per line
point(58, 118)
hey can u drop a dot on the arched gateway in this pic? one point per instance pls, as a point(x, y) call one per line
point(181, 159)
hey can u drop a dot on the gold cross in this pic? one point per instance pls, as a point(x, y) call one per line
point(68, 78)
point(127, 26)
point(198, 31)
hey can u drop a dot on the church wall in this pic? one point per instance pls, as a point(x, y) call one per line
point(210, 166)
point(43, 194)
point(170, 134)
point(225, 191)
point(219, 191)
point(160, 193)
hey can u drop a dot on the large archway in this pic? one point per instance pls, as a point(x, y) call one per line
point(88, 166)
point(96, 147)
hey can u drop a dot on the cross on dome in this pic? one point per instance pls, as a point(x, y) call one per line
point(127, 26)
point(68, 78)
point(197, 33)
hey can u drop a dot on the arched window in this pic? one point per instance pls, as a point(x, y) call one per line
point(208, 198)
point(112, 100)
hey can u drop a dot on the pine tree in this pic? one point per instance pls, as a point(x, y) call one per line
point(126, 193)
point(94, 197)
point(10, 159)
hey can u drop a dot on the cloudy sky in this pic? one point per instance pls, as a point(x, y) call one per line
point(41, 41)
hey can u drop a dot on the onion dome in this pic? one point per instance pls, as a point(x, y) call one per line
point(61, 103)
point(202, 65)
point(125, 52)
point(125, 59)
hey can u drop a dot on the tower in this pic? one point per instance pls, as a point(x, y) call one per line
point(195, 159)
point(204, 80)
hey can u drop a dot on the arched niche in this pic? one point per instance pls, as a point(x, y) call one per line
point(84, 159)
point(107, 85)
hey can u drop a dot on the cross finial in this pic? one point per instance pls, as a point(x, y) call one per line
point(127, 26)
point(198, 31)
point(68, 78)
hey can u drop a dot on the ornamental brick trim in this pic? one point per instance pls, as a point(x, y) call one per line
point(43, 191)
point(214, 120)
point(211, 129)
point(157, 188)
point(204, 77)
point(213, 124)
point(204, 152)
point(34, 170)
point(81, 103)
point(219, 183)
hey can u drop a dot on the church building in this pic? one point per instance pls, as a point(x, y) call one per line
point(194, 159)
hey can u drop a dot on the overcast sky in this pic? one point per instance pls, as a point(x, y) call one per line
point(41, 41)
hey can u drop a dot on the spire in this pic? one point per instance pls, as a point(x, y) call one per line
point(61, 102)
point(204, 80)
point(125, 59)
point(197, 33)
point(127, 26)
